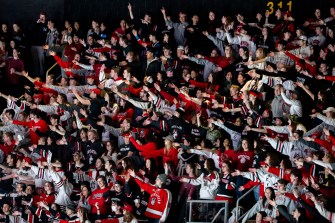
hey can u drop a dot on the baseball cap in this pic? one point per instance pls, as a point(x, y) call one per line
point(169, 137)
point(329, 109)
point(96, 91)
point(28, 160)
point(162, 177)
point(127, 207)
point(303, 37)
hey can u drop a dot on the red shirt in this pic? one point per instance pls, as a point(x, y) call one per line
point(171, 155)
point(97, 196)
point(244, 160)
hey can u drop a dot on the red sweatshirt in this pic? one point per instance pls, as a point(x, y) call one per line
point(220, 61)
point(7, 149)
point(40, 125)
point(171, 155)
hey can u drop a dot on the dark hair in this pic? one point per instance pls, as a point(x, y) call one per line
point(210, 165)
point(11, 112)
point(282, 181)
point(273, 195)
point(303, 216)
point(297, 173)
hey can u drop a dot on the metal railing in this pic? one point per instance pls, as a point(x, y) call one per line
point(52, 67)
point(238, 202)
point(225, 208)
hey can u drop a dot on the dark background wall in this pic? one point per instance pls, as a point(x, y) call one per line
point(26, 11)
point(111, 11)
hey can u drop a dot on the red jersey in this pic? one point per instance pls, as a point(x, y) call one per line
point(159, 201)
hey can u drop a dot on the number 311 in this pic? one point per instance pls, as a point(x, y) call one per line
point(271, 5)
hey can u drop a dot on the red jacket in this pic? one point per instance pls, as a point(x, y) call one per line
point(48, 198)
point(40, 125)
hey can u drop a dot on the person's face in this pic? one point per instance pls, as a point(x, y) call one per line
point(53, 121)
point(317, 13)
point(318, 30)
point(277, 91)
point(50, 25)
point(211, 16)
point(214, 53)
point(95, 24)
point(77, 57)
point(287, 35)
point(118, 188)
point(182, 18)
point(259, 217)
point(259, 16)
point(148, 164)
point(296, 214)
point(147, 18)
point(330, 33)
point(5, 208)
point(224, 20)
point(278, 13)
point(126, 74)
point(224, 167)
point(199, 94)
point(90, 40)
point(47, 187)
point(76, 157)
point(244, 144)
point(281, 187)
point(125, 124)
point(102, 27)
point(90, 136)
point(233, 91)
point(180, 53)
point(101, 183)
point(195, 19)
point(109, 146)
point(98, 164)
point(16, 28)
point(158, 182)
point(323, 68)
point(268, 193)
point(5, 138)
point(15, 53)
point(188, 169)
point(29, 190)
point(19, 188)
point(149, 55)
point(240, 79)
point(83, 135)
point(264, 31)
point(249, 121)
point(278, 122)
point(42, 18)
point(123, 23)
point(9, 159)
point(241, 52)
point(126, 139)
point(76, 25)
point(4, 28)
point(167, 142)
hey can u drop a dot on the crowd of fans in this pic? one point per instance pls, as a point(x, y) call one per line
point(146, 117)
